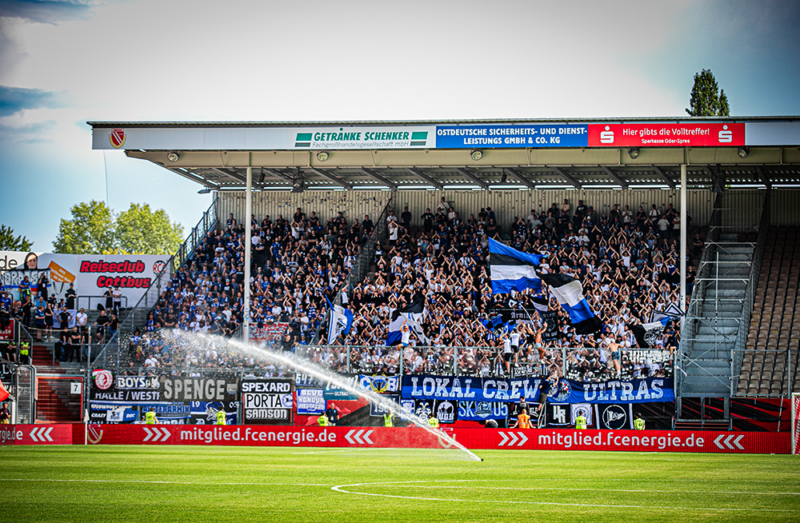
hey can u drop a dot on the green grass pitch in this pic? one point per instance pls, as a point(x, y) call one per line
point(139, 483)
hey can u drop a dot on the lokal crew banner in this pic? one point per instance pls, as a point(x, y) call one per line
point(462, 388)
point(267, 401)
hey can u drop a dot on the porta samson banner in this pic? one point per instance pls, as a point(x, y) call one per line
point(512, 390)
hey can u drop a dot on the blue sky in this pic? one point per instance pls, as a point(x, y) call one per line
point(65, 62)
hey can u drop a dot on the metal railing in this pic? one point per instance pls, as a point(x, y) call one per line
point(137, 315)
point(451, 361)
point(581, 364)
point(100, 299)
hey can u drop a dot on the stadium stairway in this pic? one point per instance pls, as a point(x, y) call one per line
point(721, 310)
point(719, 315)
point(55, 402)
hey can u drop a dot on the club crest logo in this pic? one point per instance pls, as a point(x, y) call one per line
point(159, 266)
point(614, 417)
point(559, 392)
point(95, 434)
point(103, 379)
point(117, 138)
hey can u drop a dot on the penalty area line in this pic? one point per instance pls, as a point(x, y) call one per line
point(341, 489)
point(164, 482)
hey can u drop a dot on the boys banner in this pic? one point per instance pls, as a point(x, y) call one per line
point(461, 388)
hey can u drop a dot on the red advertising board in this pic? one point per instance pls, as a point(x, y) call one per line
point(474, 439)
point(8, 332)
point(56, 434)
point(667, 135)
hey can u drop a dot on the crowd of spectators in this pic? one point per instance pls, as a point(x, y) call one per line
point(627, 263)
point(296, 264)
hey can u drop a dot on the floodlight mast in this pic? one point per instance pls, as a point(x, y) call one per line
point(248, 210)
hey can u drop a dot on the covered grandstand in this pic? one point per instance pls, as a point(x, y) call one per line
point(731, 182)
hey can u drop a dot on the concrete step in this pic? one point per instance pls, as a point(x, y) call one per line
point(728, 309)
point(704, 330)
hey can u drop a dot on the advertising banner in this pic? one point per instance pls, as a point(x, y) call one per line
point(267, 401)
point(377, 411)
point(614, 416)
point(310, 402)
point(267, 138)
point(512, 390)
point(332, 392)
point(446, 411)
point(11, 280)
point(380, 383)
point(667, 135)
point(482, 410)
point(7, 333)
point(521, 135)
point(90, 274)
point(558, 415)
point(268, 332)
point(138, 390)
point(412, 437)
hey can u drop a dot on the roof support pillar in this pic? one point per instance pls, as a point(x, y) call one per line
point(248, 228)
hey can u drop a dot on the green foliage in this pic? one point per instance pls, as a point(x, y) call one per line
point(707, 99)
point(90, 231)
point(9, 242)
point(141, 231)
point(95, 229)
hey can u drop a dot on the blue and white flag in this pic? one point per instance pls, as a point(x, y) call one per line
point(569, 293)
point(512, 270)
point(396, 328)
point(341, 320)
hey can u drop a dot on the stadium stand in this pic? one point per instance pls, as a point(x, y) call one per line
point(775, 323)
point(626, 261)
point(297, 264)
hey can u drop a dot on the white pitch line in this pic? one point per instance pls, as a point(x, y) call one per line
point(159, 482)
point(340, 450)
point(600, 490)
point(340, 488)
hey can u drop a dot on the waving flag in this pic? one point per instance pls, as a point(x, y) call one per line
point(569, 293)
point(416, 309)
point(647, 334)
point(341, 320)
point(396, 326)
point(512, 270)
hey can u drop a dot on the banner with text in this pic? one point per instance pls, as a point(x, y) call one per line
point(267, 401)
point(462, 388)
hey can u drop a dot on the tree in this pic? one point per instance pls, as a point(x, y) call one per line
point(707, 99)
point(141, 231)
point(90, 231)
point(95, 229)
point(8, 242)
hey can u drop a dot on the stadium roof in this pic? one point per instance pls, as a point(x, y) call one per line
point(467, 154)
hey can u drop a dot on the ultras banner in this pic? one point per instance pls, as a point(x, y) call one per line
point(512, 390)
